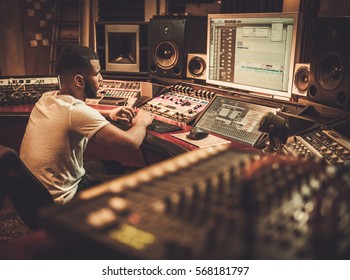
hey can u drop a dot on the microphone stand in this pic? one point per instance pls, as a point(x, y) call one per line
point(278, 131)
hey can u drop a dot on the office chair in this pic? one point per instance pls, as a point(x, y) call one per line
point(25, 191)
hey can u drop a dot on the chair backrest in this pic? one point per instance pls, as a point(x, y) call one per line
point(25, 191)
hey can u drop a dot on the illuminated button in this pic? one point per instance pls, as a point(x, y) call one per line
point(334, 158)
point(101, 218)
point(340, 149)
point(323, 149)
point(334, 144)
point(119, 204)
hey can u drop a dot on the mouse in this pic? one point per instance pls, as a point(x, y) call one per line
point(197, 134)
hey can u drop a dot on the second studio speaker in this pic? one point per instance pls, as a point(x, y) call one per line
point(170, 39)
point(196, 66)
point(330, 63)
point(301, 79)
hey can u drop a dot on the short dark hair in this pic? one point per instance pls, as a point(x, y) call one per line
point(75, 59)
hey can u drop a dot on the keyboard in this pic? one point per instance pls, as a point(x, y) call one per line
point(162, 127)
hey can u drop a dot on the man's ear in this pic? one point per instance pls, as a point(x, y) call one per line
point(79, 81)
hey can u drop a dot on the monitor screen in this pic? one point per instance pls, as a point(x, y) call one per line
point(252, 52)
point(122, 48)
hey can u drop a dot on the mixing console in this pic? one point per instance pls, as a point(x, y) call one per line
point(117, 93)
point(234, 119)
point(330, 142)
point(181, 102)
point(25, 90)
point(212, 203)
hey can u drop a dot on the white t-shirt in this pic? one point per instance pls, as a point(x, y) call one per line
point(56, 136)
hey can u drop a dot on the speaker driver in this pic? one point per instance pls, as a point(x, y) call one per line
point(302, 78)
point(196, 66)
point(166, 55)
point(330, 71)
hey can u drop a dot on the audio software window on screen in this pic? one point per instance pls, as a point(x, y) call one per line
point(253, 51)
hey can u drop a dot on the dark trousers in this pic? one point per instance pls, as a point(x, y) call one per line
point(97, 172)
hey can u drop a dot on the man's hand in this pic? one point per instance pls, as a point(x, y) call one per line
point(122, 114)
point(143, 117)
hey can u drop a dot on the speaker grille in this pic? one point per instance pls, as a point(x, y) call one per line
point(196, 66)
point(330, 71)
point(170, 39)
point(166, 54)
point(301, 79)
point(330, 63)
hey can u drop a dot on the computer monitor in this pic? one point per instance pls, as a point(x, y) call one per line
point(122, 47)
point(252, 52)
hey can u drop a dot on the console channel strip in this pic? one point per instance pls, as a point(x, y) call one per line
point(25, 89)
point(180, 103)
point(117, 93)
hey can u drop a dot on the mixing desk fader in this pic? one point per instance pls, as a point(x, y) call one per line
point(180, 103)
point(212, 203)
point(25, 90)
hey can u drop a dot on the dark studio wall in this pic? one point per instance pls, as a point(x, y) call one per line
point(26, 34)
point(26, 25)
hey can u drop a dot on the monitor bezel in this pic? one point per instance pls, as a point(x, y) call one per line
point(254, 89)
point(122, 28)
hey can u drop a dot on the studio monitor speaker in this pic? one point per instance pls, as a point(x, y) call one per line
point(301, 79)
point(330, 63)
point(170, 39)
point(196, 66)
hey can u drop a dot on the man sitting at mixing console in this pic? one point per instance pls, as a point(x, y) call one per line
point(61, 124)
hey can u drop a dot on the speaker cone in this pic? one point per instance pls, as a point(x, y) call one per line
point(301, 78)
point(166, 54)
point(330, 71)
point(196, 66)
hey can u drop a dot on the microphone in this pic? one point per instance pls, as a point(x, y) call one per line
point(277, 129)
